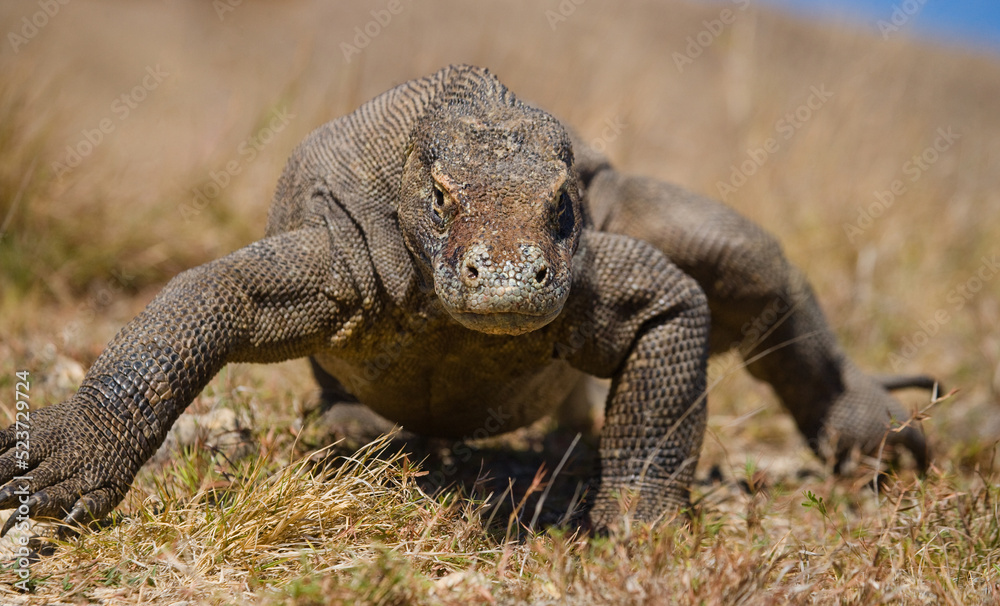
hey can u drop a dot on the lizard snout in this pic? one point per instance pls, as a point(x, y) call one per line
point(479, 268)
point(503, 289)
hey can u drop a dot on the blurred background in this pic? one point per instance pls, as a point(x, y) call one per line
point(140, 139)
point(962, 23)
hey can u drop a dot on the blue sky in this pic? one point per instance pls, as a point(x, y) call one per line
point(973, 23)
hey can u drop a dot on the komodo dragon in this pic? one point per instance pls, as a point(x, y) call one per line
point(451, 257)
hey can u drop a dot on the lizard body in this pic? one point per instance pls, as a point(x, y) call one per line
point(452, 258)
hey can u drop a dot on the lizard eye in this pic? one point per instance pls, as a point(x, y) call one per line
point(563, 220)
point(440, 206)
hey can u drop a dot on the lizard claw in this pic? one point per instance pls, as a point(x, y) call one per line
point(28, 508)
point(896, 382)
point(93, 506)
point(78, 517)
point(43, 504)
point(866, 416)
point(7, 497)
point(55, 482)
point(8, 525)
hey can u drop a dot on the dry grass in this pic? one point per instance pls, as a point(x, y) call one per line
point(80, 254)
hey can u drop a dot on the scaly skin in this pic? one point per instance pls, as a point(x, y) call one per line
point(435, 254)
point(763, 307)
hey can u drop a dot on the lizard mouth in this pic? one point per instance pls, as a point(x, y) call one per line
point(503, 323)
point(502, 297)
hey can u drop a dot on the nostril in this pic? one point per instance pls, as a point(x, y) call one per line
point(541, 274)
point(471, 272)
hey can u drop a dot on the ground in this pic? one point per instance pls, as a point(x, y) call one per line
point(137, 140)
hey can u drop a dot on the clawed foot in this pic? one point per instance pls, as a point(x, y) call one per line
point(867, 418)
point(58, 465)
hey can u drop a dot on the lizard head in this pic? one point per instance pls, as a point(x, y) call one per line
point(490, 207)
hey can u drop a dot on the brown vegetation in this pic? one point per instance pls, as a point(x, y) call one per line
point(180, 170)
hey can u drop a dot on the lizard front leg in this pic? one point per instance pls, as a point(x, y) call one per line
point(650, 327)
point(763, 306)
point(279, 298)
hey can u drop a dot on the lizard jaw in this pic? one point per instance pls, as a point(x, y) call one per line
point(503, 323)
